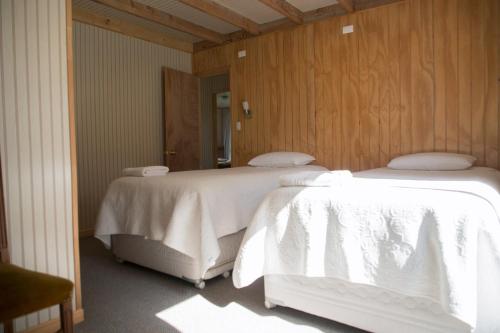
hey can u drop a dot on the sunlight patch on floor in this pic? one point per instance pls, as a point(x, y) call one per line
point(197, 314)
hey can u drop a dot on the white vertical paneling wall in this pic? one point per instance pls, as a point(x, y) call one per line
point(119, 109)
point(34, 139)
point(209, 86)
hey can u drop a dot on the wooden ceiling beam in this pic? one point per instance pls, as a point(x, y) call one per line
point(347, 5)
point(285, 8)
point(310, 16)
point(214, 9)
point(130, 29)
point(163, 18)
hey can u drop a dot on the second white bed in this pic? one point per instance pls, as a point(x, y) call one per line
point(411, 251)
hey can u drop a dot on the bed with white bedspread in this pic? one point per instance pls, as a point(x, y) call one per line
point(386, 251)
point(179, 223)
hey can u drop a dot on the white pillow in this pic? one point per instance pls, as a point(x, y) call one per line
point(432, 162)
point(281, 160)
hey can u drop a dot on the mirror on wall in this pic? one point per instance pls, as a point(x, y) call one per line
point(222, 130)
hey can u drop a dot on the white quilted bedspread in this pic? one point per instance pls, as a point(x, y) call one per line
point(188, 211)
point(415, 237)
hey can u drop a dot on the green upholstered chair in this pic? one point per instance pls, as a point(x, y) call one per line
point(23, 291)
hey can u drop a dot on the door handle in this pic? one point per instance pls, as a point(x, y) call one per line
point(170, 152)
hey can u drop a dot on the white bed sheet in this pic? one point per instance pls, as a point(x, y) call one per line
point(188, 211)
point(413, 232)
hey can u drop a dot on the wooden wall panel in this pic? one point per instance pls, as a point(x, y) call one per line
point(405, 60)
point(446, 78)
point(333, 91)
point(421, 75)
point(394, 82)
point(322, 45)
point(417, 75)
point(464, 69)
point(492, 17)
point(350, 92)
point(478, 86)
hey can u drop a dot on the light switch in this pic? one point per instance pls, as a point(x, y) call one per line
point(347, 29)
point(242, 53)
point(238, 125)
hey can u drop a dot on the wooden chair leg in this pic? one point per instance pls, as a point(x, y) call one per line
point(66, 316)
point(8, 326)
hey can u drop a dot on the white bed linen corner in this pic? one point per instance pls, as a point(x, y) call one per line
point(412, 232)
point(187, 211)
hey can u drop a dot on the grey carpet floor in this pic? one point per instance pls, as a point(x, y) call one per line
point(129, 298)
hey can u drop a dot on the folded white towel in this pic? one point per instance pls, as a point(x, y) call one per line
point(157, 170)
point(317, 178)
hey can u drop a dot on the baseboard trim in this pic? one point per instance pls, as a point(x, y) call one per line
point(54, 325)
point(86, 233)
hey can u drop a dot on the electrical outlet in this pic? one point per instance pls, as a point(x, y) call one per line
point(347, 29)
point(242, 53)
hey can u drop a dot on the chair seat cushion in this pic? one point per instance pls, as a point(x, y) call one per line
point(23, 291)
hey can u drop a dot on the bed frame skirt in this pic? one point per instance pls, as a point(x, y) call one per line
point(153, 254)
point(380, 310)
point(364, 307)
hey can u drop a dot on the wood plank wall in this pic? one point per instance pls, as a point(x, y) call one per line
point(418, 75)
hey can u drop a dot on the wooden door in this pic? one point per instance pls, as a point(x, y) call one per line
point(182, 120)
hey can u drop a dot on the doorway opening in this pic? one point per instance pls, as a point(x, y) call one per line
point(215, 100)
point(222, 130)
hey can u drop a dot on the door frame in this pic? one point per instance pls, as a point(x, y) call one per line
point(215, 125)
point(73, 156)
point(233, 107)
point(214, 130)
point(225, 70)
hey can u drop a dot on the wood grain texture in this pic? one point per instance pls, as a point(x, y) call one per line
point(421, 75)
point(129, 29)
point(286, 9)
point(417, 75)
point(213, 8)
point(153, 14)
point(73, 151)
point(182, 120)
point(322, 47)
point(314, 15)
point(478, 84)
point(445, 75)
point(405, 60)
point(347, 5)
point(492, 80)
point(464, 74)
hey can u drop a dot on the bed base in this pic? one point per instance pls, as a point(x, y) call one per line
point(360, 306)
point(155, 255)
point(379, 310)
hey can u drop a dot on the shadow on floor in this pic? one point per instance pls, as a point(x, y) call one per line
point(127, 298)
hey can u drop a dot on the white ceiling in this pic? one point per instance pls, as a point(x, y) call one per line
point(252, 9)
point(260, 13)
point(176, 8)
